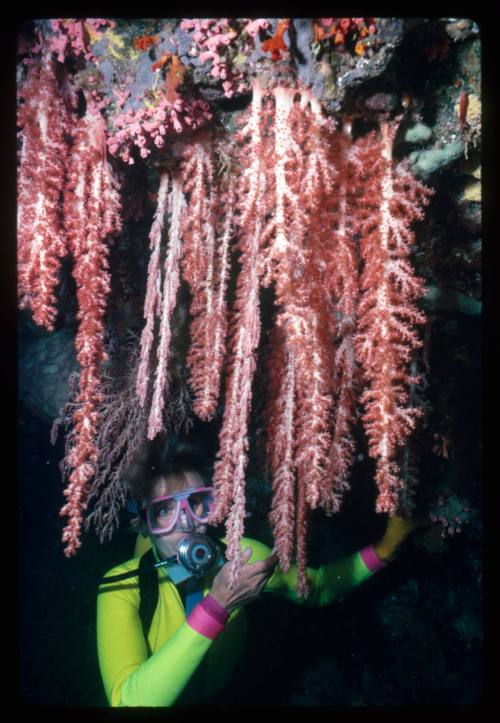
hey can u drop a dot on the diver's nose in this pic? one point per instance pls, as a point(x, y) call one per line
point(186, 523)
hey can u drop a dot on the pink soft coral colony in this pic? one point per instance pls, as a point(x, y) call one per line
point(307, 209)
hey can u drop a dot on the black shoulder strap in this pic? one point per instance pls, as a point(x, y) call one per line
point(149, 592)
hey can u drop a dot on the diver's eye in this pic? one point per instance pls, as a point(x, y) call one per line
point(165, 509)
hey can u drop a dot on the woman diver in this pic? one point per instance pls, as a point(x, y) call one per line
point(170, 630)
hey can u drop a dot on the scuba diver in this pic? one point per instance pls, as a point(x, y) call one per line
point(170, 630)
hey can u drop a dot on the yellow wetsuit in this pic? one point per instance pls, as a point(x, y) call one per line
point(185, 666)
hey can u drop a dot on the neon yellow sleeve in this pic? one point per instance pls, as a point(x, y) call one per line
point(328, 583)
point(129, 677)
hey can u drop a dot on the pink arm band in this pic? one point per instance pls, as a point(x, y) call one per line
point(371, 559)
point(208, 618)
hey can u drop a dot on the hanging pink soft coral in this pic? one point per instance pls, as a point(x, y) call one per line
point(304, 200)
point(392, 198)
point(208, 230)
point(68, 203)
point(310, 205)
point(153, 301)
point(44, 119)
point(161, 299)
point(321, 219)
point(91, 214)
point(199, 238)
point(281, 445)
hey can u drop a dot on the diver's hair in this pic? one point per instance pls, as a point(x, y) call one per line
point(173, 455)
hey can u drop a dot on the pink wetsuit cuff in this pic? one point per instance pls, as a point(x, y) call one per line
point(371, 559)
point(207, 622)
point(215, 609)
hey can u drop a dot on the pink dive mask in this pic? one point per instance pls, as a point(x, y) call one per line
point(163, 513)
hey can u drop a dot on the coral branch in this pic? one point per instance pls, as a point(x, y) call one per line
point(387, 311)
point(207, 231)
point(91, 212)
point(229, 469)
point(152, 303)
point(281, 446)
point(209, 325)
point(171, 282)
point(44, 119)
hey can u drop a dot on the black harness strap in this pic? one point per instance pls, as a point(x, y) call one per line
point(148, 591)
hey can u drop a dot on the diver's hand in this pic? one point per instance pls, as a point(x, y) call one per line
point(250, 585)
point(397, 530)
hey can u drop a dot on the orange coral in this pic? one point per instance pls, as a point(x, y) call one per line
point(276, 44)
point(175, 76)
point(164, 57)
point(341, 30)
point(320, 33)
point(145, 42)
